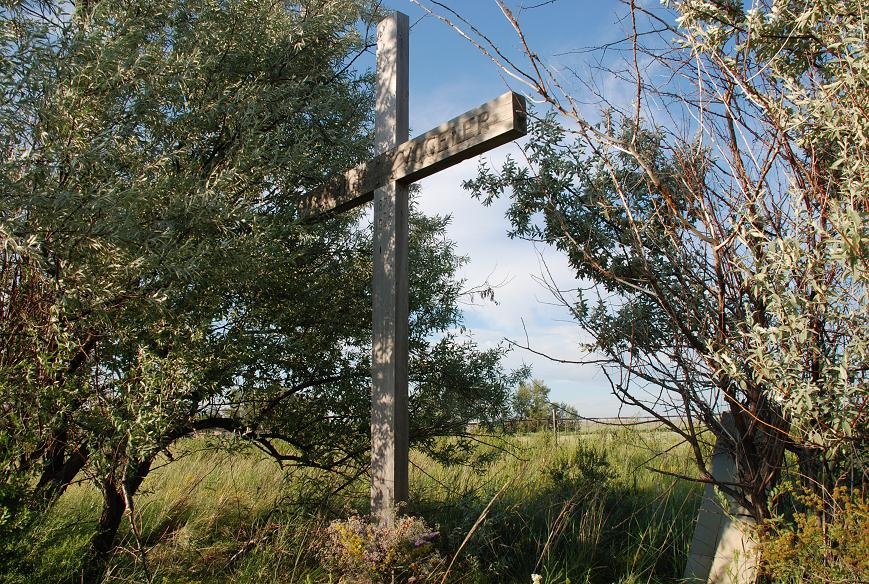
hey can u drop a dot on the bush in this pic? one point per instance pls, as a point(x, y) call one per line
point(361, 550)
point(819, 543)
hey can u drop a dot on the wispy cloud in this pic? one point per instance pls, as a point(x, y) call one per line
point(525, 311)
point(448, 77)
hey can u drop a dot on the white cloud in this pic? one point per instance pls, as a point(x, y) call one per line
point(448, 77)
point(526, 310)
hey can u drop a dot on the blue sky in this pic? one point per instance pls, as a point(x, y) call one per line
point(449, 76)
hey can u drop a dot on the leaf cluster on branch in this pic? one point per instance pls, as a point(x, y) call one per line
point(717, 222)
point(155, 278)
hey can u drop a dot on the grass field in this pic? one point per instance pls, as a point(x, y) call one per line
point(587, 509)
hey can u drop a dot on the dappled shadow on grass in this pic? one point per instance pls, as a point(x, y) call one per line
point(209, 517)
point(571, 511)
point(55, 548)
point(586, 509)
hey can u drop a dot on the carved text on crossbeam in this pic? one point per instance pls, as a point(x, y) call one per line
point(476, 131)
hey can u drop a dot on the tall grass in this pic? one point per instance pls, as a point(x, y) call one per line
point(587, 509)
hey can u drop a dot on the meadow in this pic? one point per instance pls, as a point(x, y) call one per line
point(586, 508)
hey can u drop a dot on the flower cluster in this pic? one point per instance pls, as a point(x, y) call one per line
point(362, 549)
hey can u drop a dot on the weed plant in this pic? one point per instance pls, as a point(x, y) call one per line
point(819, 542)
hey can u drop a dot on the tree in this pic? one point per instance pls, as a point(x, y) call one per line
point(531, 401)
point(154, 154)
point(156, 279)
point(726, 246)
point(566, 410)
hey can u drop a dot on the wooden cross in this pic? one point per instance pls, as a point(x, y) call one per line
point(386, 178)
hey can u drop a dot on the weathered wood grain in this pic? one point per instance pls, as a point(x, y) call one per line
point(476, 131)
point(386, 178)
point(389, 347)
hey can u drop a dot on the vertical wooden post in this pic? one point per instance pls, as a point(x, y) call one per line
point(555, 424)
point(389, 416)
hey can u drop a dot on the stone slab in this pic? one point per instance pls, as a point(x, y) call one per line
point(722, 550)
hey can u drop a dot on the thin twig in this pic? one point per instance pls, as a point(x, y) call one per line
point(477, 524)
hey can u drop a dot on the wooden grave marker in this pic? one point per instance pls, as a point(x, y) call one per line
point(723, 549)
point(385, 179)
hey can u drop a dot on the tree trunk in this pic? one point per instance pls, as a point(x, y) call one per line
point(58, 475)
point(103, 540)
point(114, 506)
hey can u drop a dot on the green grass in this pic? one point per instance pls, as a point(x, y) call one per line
point(588, 509)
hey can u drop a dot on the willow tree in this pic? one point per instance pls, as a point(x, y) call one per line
point(721, 219)
point(155, 277)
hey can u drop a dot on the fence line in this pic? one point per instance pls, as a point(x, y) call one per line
point(575, 423)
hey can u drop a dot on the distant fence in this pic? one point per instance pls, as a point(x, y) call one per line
point(578, 424)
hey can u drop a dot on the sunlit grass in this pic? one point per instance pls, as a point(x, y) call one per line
point(587, 509)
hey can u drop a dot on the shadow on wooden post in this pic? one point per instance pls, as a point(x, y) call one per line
point(722, 551)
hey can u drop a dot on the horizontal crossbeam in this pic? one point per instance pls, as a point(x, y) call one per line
point(483, 128)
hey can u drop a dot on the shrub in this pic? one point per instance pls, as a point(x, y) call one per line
point(819, 543)
point(359, 549)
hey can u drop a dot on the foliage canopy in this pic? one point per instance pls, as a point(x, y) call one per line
point(155, 278)
point(721, 217)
